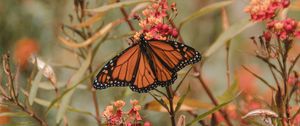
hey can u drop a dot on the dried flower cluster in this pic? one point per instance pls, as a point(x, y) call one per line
point(265, 9)
point(154, 25)
point(115, 115)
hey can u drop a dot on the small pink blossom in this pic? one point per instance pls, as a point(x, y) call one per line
point(284, 29)
point(119, 104)
point(296, 120)
point(108, 111)
point(134, 102)
point(265, 9)
point(147, 123)
point(154, 24)
point(115, 115)
point(292, 80)
point(267, 36)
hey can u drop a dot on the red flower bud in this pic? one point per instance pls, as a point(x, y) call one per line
point(175, 33)
point(297, 34)
point(285, 3)
point(170, 31)
point(288, 27)
point(283, 35)
point(159, 26)
point(165, 27)
point(147, 124)
point(267, 35)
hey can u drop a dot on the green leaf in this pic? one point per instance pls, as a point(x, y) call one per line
point(160, 101)
point(45, 85)
point(116, 5)
point(35, 86)
point(229, 93)
point(205, 10)
point(73, 81)
point(231, 32)
point(14, 114)
point(72, 109)
point(181, 100)
point(70, 89)
point(202, 116)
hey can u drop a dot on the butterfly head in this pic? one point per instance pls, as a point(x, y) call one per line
point(142, 38)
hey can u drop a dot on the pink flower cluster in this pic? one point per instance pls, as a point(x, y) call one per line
point(154, 26)
point(292, 80)
point(283, 29)
point(265, 9)
point(115, 116)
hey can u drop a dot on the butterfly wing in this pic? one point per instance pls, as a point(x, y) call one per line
point(145, 71)
point(174, 55)
point(130, 68)
point(146, 79)
point(120, 70)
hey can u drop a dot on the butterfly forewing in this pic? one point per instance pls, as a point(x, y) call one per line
point(119, 71)
point(174, 55)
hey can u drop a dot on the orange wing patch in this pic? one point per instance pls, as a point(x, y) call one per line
point(167, 53)
point(145, 76)
point(119, 68)
point(162, 73)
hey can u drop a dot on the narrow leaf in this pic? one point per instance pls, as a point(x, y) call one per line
point(187, 105)
point(46, 103)
point(68, 90)
point(48, 86)
point(116, 5)
point(204, 11)
point(202, 116)
point(181, 100)
point(99, 34)
point(229, 93)
point(74, 80)
point(35, 86)
point(13, 114)
point(227, 35)
point(90, 21)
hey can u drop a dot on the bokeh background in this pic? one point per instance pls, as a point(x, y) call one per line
point(40, 21)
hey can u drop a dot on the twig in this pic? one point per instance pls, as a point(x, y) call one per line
point(126, 17)
point(293, 64)
point(225, 27)
point(269, 63)
point(260, 78)
point(224, 114)
point(13, 96)
point(180, 83)
point(170, 99)
point(174, 26)
point(212, 98)
point(161, 93)
point(195, 116)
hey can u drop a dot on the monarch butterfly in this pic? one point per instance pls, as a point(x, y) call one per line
point(146, 64)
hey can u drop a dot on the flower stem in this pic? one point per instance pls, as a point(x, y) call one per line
point(171, 109)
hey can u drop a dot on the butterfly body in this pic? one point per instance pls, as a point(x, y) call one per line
point(146, 64)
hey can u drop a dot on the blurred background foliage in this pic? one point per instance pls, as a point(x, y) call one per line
point(40, 20)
